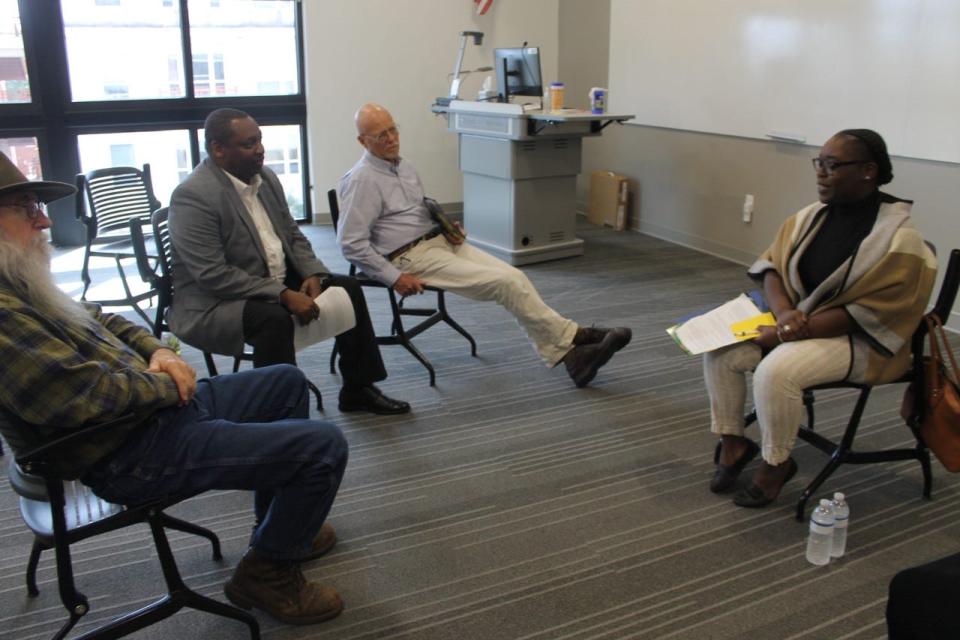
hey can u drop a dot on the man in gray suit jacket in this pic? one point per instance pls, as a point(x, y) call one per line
point(244, 273)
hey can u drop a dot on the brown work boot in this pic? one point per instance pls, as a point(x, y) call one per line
point(280, 589)
point(322, 542)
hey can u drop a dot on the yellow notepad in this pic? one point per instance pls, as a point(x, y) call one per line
point(749, 328)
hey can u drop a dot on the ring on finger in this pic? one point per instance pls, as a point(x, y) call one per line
point(786, 327)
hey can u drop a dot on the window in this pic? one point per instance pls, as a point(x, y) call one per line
point(94, 39)
point(183, 165)
point(242, 30)
point(281, 149)
point(121, 155)
point(14, 85)
point(174, 76)
point(205, 84)
point(165, 151)
point(116, 91)
point(25, 154)
point(92, 103)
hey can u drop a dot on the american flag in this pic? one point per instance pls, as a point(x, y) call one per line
point(482, 6)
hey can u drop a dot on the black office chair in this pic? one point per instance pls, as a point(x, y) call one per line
point(61, 512)
point(106, 201)
point(161, 282)
point(398, 333)
point(842, 452)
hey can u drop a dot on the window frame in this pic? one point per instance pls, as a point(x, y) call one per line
point(56, 120)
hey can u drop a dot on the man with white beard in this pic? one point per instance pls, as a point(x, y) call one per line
point(67, 366)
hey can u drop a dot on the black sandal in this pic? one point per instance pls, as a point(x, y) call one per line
point(726, 475)
point(753, 496)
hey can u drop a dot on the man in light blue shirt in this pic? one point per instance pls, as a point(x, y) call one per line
point(387, 232)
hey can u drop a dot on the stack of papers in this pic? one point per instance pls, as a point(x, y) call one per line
point(734, 321)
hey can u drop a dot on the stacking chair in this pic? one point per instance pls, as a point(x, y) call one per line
point(398, 333)
point(60, 512)
point(161, 281)
point(106, 201)
point(842, 452)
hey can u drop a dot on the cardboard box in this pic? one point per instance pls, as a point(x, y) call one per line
point(605, 199)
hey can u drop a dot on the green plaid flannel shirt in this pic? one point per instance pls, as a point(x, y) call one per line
point(56, 378)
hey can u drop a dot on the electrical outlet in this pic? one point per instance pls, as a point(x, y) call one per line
point(748, 208)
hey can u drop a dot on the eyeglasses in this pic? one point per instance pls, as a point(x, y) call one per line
point(384, 135)
point(33, 209)
point(830, 166)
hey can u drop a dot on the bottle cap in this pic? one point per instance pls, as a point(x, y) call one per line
point(824, 502)
point(838, 496)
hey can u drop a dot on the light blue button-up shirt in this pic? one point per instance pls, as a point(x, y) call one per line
point(381, 209)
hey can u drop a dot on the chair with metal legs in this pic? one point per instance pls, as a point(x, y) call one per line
point(843, 452)
point(399, 334)
point(161, 282)
point(106, 201)
point(60, 512)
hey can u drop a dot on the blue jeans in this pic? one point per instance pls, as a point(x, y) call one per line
point(251, 431)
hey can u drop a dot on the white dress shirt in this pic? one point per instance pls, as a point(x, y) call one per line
point(276, 261)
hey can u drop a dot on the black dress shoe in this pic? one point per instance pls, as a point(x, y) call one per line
point(371, 399)
point(584, 360)
point(753, 496)
point(726, 474)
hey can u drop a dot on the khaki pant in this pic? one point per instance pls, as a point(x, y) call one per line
point(472, 273)
point(778, 383)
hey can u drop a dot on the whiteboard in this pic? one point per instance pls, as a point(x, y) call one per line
point(799, 69)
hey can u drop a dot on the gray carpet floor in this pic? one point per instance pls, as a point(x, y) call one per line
point(511, 505)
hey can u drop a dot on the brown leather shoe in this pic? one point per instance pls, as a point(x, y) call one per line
point(280, 589)
point(595, 335)
point(583, 361)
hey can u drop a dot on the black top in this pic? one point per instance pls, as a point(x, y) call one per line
point(845, 227)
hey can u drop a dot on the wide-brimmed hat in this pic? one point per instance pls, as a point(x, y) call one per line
point(12, 180)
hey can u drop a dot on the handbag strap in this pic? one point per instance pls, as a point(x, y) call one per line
point(935, 326)
point(932, 372)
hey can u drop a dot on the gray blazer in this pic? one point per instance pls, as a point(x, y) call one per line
point(218, 261)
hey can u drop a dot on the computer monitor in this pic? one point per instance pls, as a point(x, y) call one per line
point(518, 72)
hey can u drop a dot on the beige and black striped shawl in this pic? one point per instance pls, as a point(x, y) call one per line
point(884, 286)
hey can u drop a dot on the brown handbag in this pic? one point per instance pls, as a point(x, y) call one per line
point(939, 417)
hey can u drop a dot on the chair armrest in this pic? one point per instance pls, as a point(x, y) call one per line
point(80, 205)
point(36, 460)
point(28, 485)
point(147, 273)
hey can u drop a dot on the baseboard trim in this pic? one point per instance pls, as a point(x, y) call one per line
point(698, 243)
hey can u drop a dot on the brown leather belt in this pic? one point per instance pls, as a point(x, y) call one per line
point(410, 245)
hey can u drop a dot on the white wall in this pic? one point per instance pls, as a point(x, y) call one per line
point(400, 54)
point(688, 187)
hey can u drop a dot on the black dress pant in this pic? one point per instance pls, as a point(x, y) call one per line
point(268, 328)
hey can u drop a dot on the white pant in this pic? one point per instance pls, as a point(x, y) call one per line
point(778, 383)
point(472, 273)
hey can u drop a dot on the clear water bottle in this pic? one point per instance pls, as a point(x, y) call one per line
point(821, 533)
point(841, 518)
